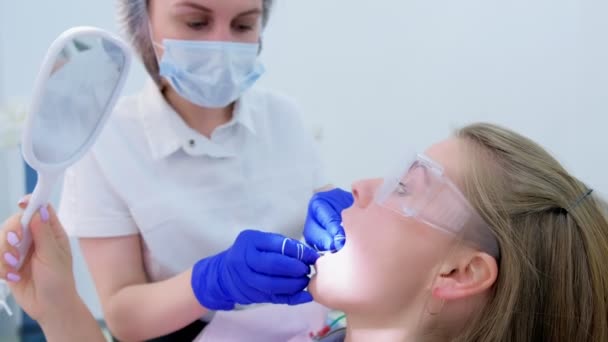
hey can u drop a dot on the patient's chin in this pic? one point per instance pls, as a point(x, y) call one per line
point(313, 288)
point(325, 285)
point(318, 289)
point(322, 294)
point(330, 295)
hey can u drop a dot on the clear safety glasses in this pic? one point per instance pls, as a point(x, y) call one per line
point(420, 190)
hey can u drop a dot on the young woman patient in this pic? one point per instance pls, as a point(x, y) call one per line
point(420, 261)
point(483, 237)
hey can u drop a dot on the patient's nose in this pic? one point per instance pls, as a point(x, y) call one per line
point(364, 191)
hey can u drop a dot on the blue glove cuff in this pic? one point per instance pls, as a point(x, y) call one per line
point(207, 286)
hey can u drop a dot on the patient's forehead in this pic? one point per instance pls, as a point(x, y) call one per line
point(450, 154)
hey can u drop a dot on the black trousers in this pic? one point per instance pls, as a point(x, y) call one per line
point(186, 334)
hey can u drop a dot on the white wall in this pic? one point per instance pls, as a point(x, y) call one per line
point(378, 76)
point(381, 75)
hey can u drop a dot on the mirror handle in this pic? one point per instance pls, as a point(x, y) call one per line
point(40, 196)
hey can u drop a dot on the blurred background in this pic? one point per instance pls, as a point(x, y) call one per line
point(373, 78)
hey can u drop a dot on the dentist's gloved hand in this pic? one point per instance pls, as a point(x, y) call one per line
point(323, 229)
point(259, 268)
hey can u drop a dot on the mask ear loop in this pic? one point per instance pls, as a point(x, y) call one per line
point(260, 45)
point(155, 46)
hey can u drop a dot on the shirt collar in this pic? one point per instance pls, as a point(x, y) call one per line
point(244, 109)
point(167, 132)
point(157, 118)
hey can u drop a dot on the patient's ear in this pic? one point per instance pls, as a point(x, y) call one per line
point(465, 275)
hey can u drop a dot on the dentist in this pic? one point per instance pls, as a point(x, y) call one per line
point(170, 204)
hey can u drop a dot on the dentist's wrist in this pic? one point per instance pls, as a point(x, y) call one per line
point(206, 284)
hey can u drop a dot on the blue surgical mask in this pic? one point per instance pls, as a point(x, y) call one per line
point(210, 74)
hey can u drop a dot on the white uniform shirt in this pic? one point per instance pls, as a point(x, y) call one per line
point(187, 195)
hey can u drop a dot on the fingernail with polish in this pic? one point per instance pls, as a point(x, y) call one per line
point(13, 277)
point(12, 239)
point(44, 213)
point(10, 259)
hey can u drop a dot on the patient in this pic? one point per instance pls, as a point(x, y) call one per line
point(418, 265)
point(484, 237)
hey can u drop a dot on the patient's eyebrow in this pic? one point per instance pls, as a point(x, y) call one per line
point(418, 173)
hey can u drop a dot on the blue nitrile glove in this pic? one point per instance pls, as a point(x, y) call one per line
point(259, 268)
point(323, 228)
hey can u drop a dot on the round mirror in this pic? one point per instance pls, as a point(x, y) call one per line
point(80, 79)
point(83, 78)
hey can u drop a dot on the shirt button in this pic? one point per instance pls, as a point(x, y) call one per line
point(191, 143)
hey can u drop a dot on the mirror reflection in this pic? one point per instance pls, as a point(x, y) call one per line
point(82, 80)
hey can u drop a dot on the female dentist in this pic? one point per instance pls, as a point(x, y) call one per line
point(164, 203)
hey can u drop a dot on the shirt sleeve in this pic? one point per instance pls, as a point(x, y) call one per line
point(89, 206)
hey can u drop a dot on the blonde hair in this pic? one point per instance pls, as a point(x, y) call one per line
point(553, 236)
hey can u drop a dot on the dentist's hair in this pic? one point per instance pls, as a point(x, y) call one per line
point(133, 19)
point(553, 235)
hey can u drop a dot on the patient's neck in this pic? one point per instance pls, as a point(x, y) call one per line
point(361, 328)
point(362, 335)
point(397, 328)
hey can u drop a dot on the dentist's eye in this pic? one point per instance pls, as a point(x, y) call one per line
point(243, 28)
point(197, 24)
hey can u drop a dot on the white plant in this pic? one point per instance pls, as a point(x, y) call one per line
point(12, 118)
